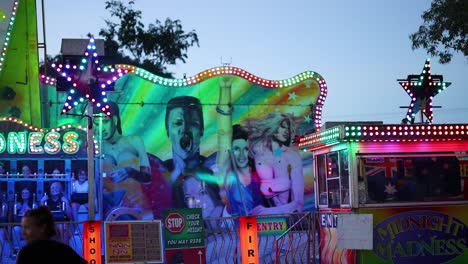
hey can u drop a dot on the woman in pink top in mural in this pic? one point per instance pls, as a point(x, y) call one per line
point(278, 164)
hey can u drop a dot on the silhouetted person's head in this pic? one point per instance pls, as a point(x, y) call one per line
point(38, 224)
point(184, 125)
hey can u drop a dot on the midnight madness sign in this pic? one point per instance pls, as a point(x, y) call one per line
point(420, 236)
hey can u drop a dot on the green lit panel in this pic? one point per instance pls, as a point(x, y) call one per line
point(7, 20)
point(320, 139)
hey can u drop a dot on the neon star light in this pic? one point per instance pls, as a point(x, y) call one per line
point(422, 89)
point(87, 81)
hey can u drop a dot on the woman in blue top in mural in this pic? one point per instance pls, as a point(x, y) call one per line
point(240, 186)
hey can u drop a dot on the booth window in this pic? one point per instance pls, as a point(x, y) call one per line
point(406, 178)
point(333, 178)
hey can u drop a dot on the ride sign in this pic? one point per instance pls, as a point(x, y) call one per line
point(174, 222)
point(183, 228)
point(184, 235)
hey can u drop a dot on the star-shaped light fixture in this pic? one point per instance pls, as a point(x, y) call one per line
point(390, 189)
point(87, 81)
point(422, 89)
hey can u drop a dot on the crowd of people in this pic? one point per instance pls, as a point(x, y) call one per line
point(54, 198)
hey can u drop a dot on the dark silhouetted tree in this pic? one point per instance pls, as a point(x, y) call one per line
point(152, 48)
point(47, 68)
point(444, 31)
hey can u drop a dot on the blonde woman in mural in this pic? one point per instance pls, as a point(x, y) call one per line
point(277, 163)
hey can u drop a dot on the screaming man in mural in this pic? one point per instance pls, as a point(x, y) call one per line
point(193, 183)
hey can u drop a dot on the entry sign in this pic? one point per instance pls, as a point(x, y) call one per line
point(249, 240)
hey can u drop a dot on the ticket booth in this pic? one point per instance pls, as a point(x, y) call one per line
point(412, 179)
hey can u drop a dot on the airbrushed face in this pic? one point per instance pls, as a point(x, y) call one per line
point(240, 150)
point(283, 133)
point(184, 131)
point(108, 126)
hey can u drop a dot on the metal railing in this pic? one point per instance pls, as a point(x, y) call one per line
point(298, 244)
point(70, 233)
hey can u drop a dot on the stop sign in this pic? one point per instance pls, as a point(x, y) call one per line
point(174, 222)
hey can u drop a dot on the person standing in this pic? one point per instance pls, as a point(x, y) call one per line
point(38, 228)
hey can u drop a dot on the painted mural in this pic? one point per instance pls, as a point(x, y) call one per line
point(223, 140)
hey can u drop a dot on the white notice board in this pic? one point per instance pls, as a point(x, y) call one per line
point(354, 231)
